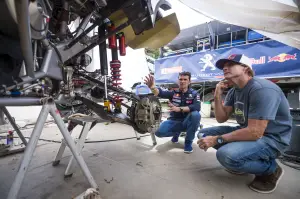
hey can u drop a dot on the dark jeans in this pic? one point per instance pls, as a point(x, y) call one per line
point(171, 128)
point(255, 157)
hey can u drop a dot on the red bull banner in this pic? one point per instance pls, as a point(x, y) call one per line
point(270, 59)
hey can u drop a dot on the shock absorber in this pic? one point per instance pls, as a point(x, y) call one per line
point(115, 64)
point(115, 68)
point(112, 41)
point(104, 65)
point(122, 44)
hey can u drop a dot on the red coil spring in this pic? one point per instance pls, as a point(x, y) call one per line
point(115, 66)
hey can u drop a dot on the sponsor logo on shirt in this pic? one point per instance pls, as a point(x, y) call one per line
point(176, 100)
point(239, 112)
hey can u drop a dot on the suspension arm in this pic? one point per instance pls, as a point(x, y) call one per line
point(111, 88)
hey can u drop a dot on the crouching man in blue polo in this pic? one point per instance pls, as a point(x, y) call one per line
point(184, 110)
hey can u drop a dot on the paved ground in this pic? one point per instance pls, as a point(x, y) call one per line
point(132, 169)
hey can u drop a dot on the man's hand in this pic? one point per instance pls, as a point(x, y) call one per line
point(149, 81)
point(207, 142)
point(173, 107)
point(221, 86)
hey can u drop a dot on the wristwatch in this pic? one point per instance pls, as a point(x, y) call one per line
point(181, 109)
point(220, 140)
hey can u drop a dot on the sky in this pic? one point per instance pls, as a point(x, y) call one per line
point(186, 16)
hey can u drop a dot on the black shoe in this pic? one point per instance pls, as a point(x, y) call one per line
point(267, 183)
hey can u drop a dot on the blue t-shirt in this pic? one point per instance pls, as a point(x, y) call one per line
point(180, 99)
point(263, 100)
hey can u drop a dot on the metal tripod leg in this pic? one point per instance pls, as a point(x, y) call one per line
point(79, 146)
point(14, 125)
point(47, 108)
point(15, 188)
point(2, 120)
point(60, 123)
point(61, 151)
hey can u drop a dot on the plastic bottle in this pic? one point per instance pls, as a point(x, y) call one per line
point(10, 138)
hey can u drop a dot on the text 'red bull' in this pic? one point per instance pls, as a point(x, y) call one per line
point(283, 57)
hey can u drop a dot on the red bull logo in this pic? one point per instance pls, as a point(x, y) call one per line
point(282, 57)
point(261, 60)
point(231, 57)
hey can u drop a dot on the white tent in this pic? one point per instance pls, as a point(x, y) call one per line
point(277, 19)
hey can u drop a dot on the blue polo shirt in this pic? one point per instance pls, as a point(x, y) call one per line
point(180, 99)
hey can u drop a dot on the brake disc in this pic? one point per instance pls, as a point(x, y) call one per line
point(148, 113)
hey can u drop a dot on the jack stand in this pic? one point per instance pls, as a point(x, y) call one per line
point(138, 137)
point(48, 107)
point(152, 133)
point(87, 123)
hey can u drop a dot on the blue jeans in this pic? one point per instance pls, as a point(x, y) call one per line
point(171, 127)
point(255, 157)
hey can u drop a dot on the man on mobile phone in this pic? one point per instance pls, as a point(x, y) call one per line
point(184, 109)
point(265, 124)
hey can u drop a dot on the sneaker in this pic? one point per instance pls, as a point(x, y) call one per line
point(234, 172)
point(267, 183)
point(188, 147)
point(174, 139)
